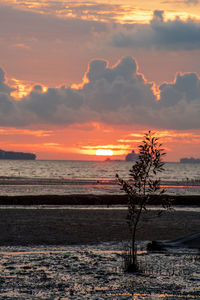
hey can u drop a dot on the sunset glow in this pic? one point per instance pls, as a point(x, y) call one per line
point(21, 89)
point(105, 152)
point(81, 80)
point(122, 12)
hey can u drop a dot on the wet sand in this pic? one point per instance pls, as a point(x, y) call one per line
point(91, 199)
point(57, 226)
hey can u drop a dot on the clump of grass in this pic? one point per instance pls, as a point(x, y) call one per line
point(129, 265)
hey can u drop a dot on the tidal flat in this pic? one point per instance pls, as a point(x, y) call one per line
point(77, 253)
point(96, 272)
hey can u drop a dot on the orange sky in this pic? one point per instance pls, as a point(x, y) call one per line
point(81, 76)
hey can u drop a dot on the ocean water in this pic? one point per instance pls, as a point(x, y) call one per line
point(86, 177)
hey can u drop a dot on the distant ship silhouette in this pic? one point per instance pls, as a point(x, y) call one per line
point(132, 156)
point(129, 157)
point(190, 160)
point(16, 155)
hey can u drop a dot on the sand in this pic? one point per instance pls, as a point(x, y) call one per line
point(96, 272)
point(62, 250)
point(67, 226)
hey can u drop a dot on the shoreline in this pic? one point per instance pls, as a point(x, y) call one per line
point(91, 199)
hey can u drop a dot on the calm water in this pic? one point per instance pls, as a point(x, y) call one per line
point(69, 177)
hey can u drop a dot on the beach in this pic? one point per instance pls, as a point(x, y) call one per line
point(76, 251)
point(82, 224)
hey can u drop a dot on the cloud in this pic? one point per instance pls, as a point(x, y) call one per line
point(161, 34)
point(31, 41)
point(31, 25)
point(192, 2)
point(112, 89)
point(113, 95)
point(4, 88)
point(180, 102)
point(185, 87)
point(87, 10)
point(108, 91)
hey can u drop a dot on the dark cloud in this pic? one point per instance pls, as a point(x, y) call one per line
point(56, 105)
point(192, 1)
point(115, 95)
point(171, 35)
point(8, 106)
point(111, 89)
point(186, 86)
point(4, 88)
point(179, 105)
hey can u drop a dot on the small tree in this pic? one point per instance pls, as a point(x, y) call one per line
point(142, 188)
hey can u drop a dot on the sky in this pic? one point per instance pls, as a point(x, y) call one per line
point(85, 80)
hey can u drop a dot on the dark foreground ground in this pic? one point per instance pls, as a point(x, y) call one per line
point(72, 269)
point(65, 226)
point(90, 200)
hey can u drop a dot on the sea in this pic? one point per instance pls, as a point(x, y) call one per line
point(91, 271)
point(57, 177)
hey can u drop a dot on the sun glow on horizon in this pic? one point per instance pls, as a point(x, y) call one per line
point(106, 152)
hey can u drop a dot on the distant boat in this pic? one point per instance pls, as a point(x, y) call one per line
point(132, 156)
point(16, 155)
point(109, 159)
point(190, 160)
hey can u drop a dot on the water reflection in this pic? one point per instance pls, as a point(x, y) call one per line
point(68, 177)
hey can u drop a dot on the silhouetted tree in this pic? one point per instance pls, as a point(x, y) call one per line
point(142, 187)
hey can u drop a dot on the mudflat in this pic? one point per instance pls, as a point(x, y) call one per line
point(83, 225)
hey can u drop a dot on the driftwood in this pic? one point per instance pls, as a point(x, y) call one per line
point(189, 241)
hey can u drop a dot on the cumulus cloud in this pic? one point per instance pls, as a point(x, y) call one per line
point(161, 34)
point(180, 102)
point(4, 88)
point(185, 87)
point(115, 95)
point(111, 89)
point(7, 104)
